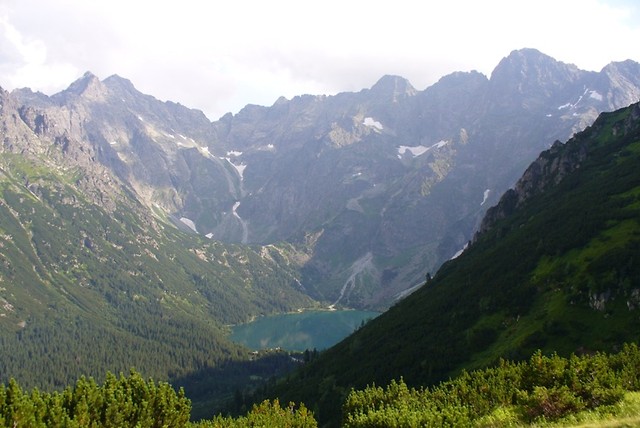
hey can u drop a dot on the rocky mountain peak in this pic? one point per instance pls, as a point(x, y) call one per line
point(525, 61)
point(622, 80)
point(34, 99)
point(530, 74)
point(393, 87)
point(455, 87)
point(533, 65)
point(116, 80)
point(88, 86)
point(120, 85)
point(621, 67)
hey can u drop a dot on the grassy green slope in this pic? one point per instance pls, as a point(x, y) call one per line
point(560, 274)
point(85, 289)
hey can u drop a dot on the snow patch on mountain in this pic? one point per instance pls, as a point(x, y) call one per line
point(440, 144)
point(595, 95)
point(414, 150)
point(190, 224)
point(372, 123)
point(420, 150)
point(235, 209)
point(571, 105)
point(459, 252)
point(205, 151)
point(239, 168)
point(243, 223)
point(124, 157)
point(485, 196)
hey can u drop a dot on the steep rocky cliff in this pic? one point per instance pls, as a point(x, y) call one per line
point(551, 167)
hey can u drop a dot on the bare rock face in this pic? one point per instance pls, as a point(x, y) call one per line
point(400, 174)
point(53, 137)
point(549, 169)
point(620, 82)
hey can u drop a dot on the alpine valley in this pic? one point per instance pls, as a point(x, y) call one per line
point(554, 267)
point(134, 231)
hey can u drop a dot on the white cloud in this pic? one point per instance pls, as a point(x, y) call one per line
point(220, 56)
point(25, 61)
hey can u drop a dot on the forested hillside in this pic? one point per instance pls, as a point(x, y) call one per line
point(91, 281)
point(556, 269)
point(543, 391)
point(114, 207)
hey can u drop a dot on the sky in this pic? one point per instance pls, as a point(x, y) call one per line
point(220, 56)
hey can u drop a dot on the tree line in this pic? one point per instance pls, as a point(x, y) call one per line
point(542, 390)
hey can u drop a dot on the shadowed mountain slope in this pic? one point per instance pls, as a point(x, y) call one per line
point(555, 267)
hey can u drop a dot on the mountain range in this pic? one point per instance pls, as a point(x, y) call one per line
point(93, 280)
point(376, 188)
point(553, 268)
point(134, 231)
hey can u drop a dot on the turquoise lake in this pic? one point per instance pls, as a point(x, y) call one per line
point(300, 331)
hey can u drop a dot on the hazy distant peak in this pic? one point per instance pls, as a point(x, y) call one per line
point(530, 71)
point(621, 80)
point(27, 96)
point(87, 86)
point(393, 87)
point(81, 84)
point(629, 66)
point(88, 75)
point(530, 53)
point(523, 60)
point(461, 77)
point(281, 101)
point(117, 82)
